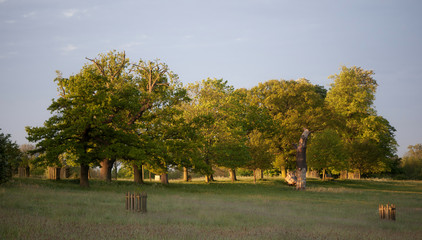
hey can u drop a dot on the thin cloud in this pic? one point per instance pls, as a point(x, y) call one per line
point(69, 13)
point(131, 44)
point(31, 14)
point(69, 48)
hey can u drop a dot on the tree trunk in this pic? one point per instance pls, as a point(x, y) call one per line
point(106, 167)
point(165, 178)
point(27, 171)
point(323, 174)
point(84, 182)
point(142, 173)
point(301, 160)
point(283, 172)
point(115, 169)
point(185, 174)
point(356, 174)
point(254, 176)
point(207, 178)
point(137, 175)
point(232, 172)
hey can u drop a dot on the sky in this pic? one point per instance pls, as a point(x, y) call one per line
point(242, 41)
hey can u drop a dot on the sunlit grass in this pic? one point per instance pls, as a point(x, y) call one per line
point(42, 209)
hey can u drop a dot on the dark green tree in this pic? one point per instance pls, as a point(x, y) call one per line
point(10, 157)
point(88, 116)
point(412, 162)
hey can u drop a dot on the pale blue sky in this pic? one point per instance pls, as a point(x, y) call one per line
point(243, 41)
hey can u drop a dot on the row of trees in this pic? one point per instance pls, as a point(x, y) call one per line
point(140, 114)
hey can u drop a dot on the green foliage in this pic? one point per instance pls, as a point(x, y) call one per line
point(99, 112)
point(10, 157)
point(125, 171)
point(259, 149)
point(353, 91)
point(412, 162)
point(293, 106)
point(141, 114)
point(326, 151)
point(214, 113)
point(244, 172)
point(369, 138)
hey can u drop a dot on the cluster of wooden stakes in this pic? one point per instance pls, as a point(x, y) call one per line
point(136, 202)
point(387, 211)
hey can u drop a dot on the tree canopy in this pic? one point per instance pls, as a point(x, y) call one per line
point(97, 114)
point(10, 157)
point(140, 113)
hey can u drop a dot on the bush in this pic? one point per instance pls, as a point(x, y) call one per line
point(412, 162)
point(9, 157)
point(244, 172)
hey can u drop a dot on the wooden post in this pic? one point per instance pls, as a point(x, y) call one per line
point(387, 211)
point(144, 202)
point(127, 201)
point(392, 211)
point(132, 201)
point(381, 211)
point(138, 202)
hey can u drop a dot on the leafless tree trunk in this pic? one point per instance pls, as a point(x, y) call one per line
point(301, 160)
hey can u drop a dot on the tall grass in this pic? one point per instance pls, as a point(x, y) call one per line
point(43, 209)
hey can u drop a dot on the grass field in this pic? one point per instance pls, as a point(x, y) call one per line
point(43, 209)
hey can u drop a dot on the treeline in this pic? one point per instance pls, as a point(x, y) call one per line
point(140, 114)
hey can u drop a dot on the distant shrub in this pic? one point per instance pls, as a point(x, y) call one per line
point(244, 172)
point(9, 157)
point(412, 162)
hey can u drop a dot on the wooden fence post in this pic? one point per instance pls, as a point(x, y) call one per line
point(136, 202)
point(387, 211)
point(392, 211)
point(381, 211)
point(127, 201)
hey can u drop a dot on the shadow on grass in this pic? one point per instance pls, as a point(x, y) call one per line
point(268, 186)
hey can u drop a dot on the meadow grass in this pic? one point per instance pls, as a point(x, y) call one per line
point(270, 209)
